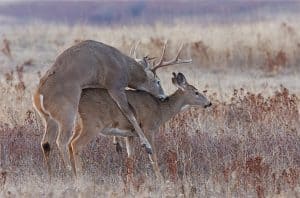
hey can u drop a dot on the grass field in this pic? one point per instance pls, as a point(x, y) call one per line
point(246, 145)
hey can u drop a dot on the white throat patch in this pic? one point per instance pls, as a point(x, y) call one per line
point(185, 107)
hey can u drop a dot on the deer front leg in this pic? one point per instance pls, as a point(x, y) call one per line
point(117, 143)
point(153, 160)
point(120, 98)
point(130, 159)
point(153, 157)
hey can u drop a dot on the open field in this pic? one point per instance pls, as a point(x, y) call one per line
point(246, 145)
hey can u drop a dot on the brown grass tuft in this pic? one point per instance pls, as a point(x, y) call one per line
point(6, 48)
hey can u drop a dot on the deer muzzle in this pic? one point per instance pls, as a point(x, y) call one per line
point(208, 105)
point(162, 97)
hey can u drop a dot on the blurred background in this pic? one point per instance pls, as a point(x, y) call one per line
point(253, 44)
point(246, 60)
point(128, 12)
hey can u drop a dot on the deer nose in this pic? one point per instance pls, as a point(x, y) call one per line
point(162, 98)
point(208, 105)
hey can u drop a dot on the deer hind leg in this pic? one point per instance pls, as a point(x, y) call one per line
point(77, 131)
point(117, 133)
point(153, 160)
point(153, 157)
point(64, 111)
point(87, 133)
point(48, 140)
point(120, 98)
point(64, 137)
point(130, 159)
point(117, 143)
point(51, 128)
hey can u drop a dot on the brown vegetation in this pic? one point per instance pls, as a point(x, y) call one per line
point(6, 48)
point(247, 146)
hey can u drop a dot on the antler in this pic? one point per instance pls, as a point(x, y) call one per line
point(132, 52)
point(145, 59)
point(175, 60)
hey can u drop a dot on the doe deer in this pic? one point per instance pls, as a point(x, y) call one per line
point(89, 64)
point(98, 113)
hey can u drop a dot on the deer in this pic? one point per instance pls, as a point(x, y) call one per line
point(89, 64)
point(99, 114)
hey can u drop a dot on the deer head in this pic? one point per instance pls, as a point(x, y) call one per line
point(190, 95)
point(152, 85)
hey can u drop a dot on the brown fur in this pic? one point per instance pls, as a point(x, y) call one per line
point(89, 64)
point(99, 113)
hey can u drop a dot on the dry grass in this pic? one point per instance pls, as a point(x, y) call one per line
point(246, 145)
point(261, 44)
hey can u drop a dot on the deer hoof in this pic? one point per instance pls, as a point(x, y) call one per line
point(148, 149)
point(118, 148)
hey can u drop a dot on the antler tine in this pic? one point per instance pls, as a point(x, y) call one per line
point(176, 57)
point(174, 61)
point(161, 59)
point(177, 60)
point(131, 50)
point(134, 51)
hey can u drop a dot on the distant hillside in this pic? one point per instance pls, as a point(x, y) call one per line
point(145, 11)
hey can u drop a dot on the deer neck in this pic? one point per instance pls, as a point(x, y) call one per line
point(136, 74)
point(172, 106)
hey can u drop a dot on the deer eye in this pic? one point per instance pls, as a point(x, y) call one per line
point(158, 82)
point(197, 93)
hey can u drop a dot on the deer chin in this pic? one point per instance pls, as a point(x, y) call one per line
point(208, 105)
point(161, 97)
point(142, 89)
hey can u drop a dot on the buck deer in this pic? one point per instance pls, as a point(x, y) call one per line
point(89, 64)
point(99, 113)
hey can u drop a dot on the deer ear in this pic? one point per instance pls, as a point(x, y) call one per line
point(181, 81)
point(174, 75)
point(176, 82)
